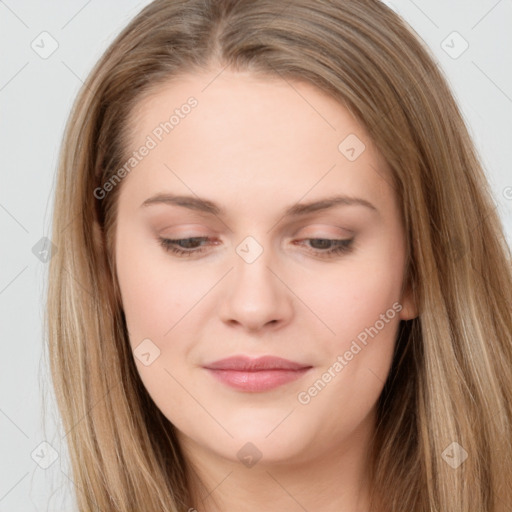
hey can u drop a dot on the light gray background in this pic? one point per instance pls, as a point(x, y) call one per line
point(35, 98)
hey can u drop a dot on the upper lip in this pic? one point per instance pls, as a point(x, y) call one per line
point(245, 363)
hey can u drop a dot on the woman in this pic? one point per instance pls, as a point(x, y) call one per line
point(281, 281)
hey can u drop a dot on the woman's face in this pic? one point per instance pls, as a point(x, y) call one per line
point(257, 173)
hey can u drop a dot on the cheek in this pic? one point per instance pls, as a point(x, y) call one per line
point(155, 295)
point(354, 298)
point(362, 308)
point(155, 299)
point(360, 304)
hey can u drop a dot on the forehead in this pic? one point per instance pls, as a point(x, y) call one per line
point(272, 135)
point(247, 108)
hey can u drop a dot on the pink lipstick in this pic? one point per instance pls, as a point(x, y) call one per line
point(256, 374)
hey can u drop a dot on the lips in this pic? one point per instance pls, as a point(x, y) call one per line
point(247, 364)
point(256, 375)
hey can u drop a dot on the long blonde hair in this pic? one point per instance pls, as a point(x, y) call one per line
point(451, 378)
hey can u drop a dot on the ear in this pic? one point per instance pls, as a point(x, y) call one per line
point(409, 304)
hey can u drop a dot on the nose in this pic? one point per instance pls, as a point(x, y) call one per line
point(255, 296)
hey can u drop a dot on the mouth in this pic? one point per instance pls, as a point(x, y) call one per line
point(256, 375)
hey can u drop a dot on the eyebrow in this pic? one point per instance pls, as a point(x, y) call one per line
point(206, 206)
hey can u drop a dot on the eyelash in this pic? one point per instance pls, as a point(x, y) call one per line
point(343, 247)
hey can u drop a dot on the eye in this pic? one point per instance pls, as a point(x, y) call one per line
point(328, 247)
point(325, 247)
point(188, 245)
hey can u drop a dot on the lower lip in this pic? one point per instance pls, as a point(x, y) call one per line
point(254, 381)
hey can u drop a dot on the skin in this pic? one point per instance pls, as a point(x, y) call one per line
point(256, 147)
